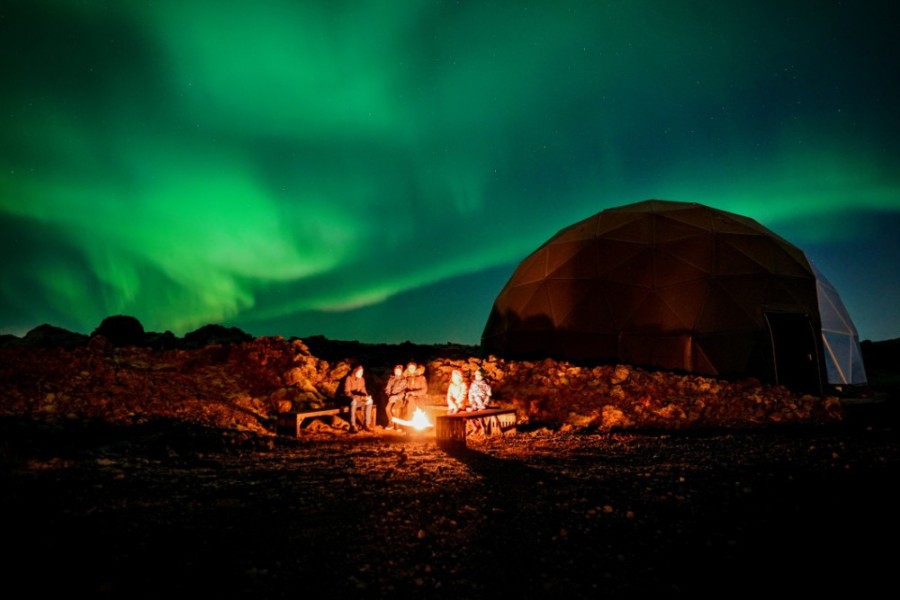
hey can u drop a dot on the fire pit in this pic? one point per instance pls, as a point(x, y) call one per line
point(418, 422)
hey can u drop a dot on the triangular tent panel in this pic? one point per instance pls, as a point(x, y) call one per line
point(843, 357)
point(679, 286)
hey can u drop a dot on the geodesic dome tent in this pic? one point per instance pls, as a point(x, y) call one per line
point(678, 286)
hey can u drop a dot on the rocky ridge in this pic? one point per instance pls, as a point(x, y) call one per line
point(243, 384)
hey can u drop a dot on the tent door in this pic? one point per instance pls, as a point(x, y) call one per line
point(795, 353)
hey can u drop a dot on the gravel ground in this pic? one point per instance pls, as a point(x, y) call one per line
point(163, 509)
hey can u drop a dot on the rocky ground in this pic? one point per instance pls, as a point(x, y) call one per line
point(145, 474)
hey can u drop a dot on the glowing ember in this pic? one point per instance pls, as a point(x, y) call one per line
point(419, 420)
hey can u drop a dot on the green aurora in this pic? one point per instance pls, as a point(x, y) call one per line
point(376, 170)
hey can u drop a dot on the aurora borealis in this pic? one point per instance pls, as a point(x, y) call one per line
point(376, 170)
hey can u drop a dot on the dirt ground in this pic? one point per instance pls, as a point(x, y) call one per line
point(164, 509)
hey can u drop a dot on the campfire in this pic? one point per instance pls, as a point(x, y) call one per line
point(418, 422)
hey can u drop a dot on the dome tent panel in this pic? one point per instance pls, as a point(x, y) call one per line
point(635, 271)
point(565, 260)
point(624, 301)
point(605, 224)
point(723, 222)
point(744, 254)
point(519, 294)
point(843, 359)
point(687, 300)
point(727, 311)
point(655, 314)
point(636, 230)
point(538, 307)
point(528, 344)
point(697, 251)
point(509, 313)
point(584, 346)
point(758, 253)
point(843, 355)
point(668, 228)
point(533, 268)
point(610, 255)
point(670, 268)
point(583, 230)
point(793, 294)
point(657, 350)
point(695, 215)
point(734, 354)
point(580, 305)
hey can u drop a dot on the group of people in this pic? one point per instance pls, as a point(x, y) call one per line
point(405, 391)
point(475, 396)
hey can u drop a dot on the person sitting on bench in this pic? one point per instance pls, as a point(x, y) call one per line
point(479, 393)
point(456, 393)
point(355, 393)
point(416, 389)
point(394, 390)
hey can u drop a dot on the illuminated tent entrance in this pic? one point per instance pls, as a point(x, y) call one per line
point(678, 286)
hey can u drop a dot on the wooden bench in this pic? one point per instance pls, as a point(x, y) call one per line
point(452, 429)
point(290, 422)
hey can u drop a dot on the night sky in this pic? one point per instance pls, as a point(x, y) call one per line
point(375, 171)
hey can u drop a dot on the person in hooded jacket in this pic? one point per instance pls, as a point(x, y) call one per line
point(479, 396)
point(416, 389)
point(456, 393)
point(355, 393)
point(394, 391)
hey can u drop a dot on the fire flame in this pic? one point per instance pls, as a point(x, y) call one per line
point(418, 422)
point(420, 419)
